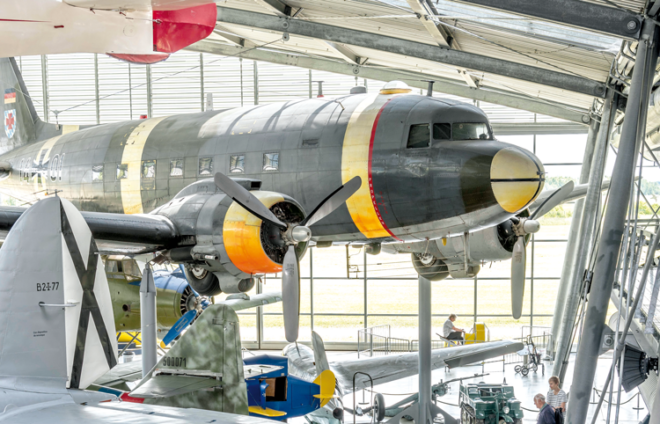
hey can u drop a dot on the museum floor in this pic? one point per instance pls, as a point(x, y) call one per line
point(525, 389)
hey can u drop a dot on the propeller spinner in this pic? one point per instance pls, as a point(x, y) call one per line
point(292, 235)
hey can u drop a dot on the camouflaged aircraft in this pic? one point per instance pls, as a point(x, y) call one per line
point(373, 169)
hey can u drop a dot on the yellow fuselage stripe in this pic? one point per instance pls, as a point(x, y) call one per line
point(355, 162)
point(131, 197)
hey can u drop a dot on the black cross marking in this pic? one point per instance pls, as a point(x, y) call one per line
point(89, 305)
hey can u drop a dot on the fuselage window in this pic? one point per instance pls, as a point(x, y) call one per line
point(205, 166)
point(97, 172)
point(59, 174)
point(271, 161)
point(237, 164)
point(54, 164)
point(419, 136)
point(176, 168)
point(471, 131)
point(442, 131)
point(148, 169)
point(122, 171)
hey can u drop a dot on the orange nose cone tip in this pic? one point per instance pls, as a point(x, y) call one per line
point(516, 177)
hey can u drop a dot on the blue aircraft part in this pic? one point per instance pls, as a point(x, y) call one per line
point(266, 359)
point(168, 280)
point(289, 394)
point(180, 325)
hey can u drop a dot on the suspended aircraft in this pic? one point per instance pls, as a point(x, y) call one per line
point(139, 31)
point(57, 331)
point(237, 193)
point(186, 375)
point(177, 302)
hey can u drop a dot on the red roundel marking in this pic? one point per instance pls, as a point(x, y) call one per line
point(371, 184)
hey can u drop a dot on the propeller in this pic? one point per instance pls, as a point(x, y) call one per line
point(292, 235)
point(522, 227)
point(180, 325)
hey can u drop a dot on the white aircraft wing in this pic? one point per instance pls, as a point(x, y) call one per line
point(67, 412)
point(384, 369)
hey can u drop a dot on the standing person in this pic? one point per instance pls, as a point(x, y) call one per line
point(546, 412)
point(556, 396)
point(450, 332)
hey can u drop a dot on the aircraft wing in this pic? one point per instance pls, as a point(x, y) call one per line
point(66, 412)
point(243, 301)
point(384, 369)
point(114, 233)
point(121, 373)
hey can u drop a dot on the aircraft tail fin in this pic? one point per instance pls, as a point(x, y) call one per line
point(57, 324)
point(20, 118)
point(206, 357)
point(320, 357)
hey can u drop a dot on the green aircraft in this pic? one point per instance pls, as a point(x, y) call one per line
point(236, 193)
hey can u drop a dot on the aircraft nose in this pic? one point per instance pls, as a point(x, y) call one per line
point(516, 177)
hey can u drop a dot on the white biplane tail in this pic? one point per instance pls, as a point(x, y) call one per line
point(57, 323)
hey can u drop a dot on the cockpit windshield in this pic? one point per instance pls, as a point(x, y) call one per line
point(470, 131)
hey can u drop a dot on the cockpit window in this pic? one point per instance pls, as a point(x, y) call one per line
point(471, 131)
point(442, 131)
point(419, 136)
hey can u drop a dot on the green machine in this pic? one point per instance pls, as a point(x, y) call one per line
point(483, 403)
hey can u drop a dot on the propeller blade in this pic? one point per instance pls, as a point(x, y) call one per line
point(553, 200)
point(518, 277)
point(246, 199)
point(181, 324)
point(291, 294)
point(333, 201)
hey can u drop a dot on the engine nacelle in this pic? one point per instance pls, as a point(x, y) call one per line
point(228, 245)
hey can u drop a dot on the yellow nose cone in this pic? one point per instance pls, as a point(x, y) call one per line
point(516, 178)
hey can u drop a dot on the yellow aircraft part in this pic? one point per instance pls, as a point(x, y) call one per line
point(125, 337)
point(266, 411)
point(327, 381)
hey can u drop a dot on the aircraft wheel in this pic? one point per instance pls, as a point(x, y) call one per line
point(338, 414)
point(517, 368)
point(379, 407)
point(524, 371)
point(202, 281)
point(430, 267)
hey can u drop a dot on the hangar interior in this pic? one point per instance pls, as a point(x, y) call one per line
point(572, 82)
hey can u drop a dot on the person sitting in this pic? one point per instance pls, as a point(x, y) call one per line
point(556, 396)
point(450, 332)
point(546, 412)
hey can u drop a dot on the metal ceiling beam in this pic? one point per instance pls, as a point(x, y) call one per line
point(276, 6)
point(579, 14)
point(426, 18)
point(345, 52)
point(399, 46)
point(413, 79)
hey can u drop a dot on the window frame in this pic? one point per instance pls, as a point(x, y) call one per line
point(276, 168)
point(122, 167)
point(95, 174)
point(430, 131)
point(175, 160)
point(449, 124)
point(142, 165)
point(199, 166)
point(235, 169)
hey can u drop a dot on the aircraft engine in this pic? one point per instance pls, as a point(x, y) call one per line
point(231, 245)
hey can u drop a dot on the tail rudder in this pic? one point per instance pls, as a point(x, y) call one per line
point(210, 349)
point(20, 118)
point(58, 323)
point(320, 357)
